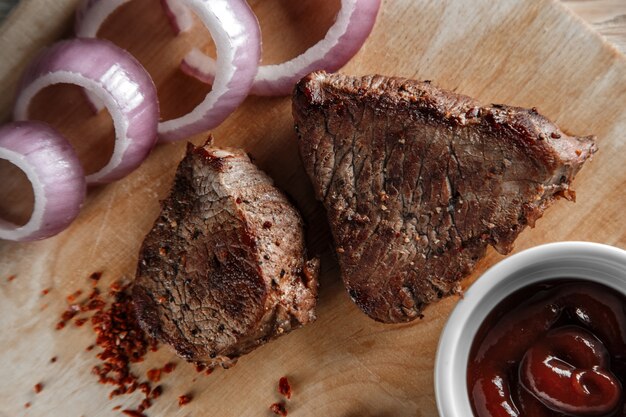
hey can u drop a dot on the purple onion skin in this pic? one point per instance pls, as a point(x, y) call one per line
point(118, 79)
point(329, 54)
point(237, 36)
point(56, 175)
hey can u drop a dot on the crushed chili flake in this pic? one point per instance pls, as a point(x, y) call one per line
point(94, 293)
point(154, 375)
point(80, 322)
point(27, 405)
point(45, 291)
point(279, 409)
point(145, 403)
point(184, 399)
point(117, 287)
point(117, 407)
point(120, 339)
point(53, 359)
point(201, 367)
point(38, 387)
point(169, 367)
point(133, 413)
point(284, 388)
point(95, 277)
point(9, 279)
point(74, 296)
point(122, 342)
point(145, 388)
point(156, 392)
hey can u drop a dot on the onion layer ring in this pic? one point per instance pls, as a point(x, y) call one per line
point(353, 24)
point(117, 79)
point(52, 167)
point(235, 31)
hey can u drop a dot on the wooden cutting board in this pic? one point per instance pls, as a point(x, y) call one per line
point(530, 53)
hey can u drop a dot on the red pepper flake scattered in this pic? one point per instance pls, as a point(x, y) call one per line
point(284, 387)
point(156, 392)
point(38, 387)
point(94, 304)
point(27, 405)
point(121, 340)
point(117, 287)
point(53, 359)
point(71, 311)
point(72, 297)
point(45, 291)
point(200, 367)
point(80, 322)
point(169, 367)
point(9, 279)
point(117, 407)
point(145, 403)
point(184, 399)
point(279, 409)
point(154, 375)
point(133, 413)
point(578, 152)
point(95, 277)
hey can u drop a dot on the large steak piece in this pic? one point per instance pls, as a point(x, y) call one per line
point(223, 269)
point(417, 181)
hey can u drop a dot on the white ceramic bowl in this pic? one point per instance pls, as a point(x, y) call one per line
point(591, 261)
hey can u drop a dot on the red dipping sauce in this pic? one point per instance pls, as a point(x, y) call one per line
point(551, 349)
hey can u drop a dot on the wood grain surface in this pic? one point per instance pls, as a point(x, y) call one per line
point(531, 53)
point(608, 17)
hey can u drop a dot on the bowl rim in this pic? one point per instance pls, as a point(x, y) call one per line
point(449, 402)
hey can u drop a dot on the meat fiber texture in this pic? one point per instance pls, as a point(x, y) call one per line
point(418, 181)
point(223, 269)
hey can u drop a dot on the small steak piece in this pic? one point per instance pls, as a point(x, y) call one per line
point(223, 269)
point(417, 181)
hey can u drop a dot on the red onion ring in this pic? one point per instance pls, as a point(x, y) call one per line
point(90, 15)
point(117, 79)
point(236, 33)
point(178, 15)
point(353, 24)
point(52, 167)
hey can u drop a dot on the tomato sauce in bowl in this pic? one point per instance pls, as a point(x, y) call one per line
point(551, 349)
point(540, 333)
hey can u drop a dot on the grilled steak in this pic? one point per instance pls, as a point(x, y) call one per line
point(223, 269)
point(417, 181)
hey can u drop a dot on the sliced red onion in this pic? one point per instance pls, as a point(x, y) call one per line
point(90, 16)
point(117, 79)
point(178, 15)
point(353, 24)
point(235, 31)
point(52, 167)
